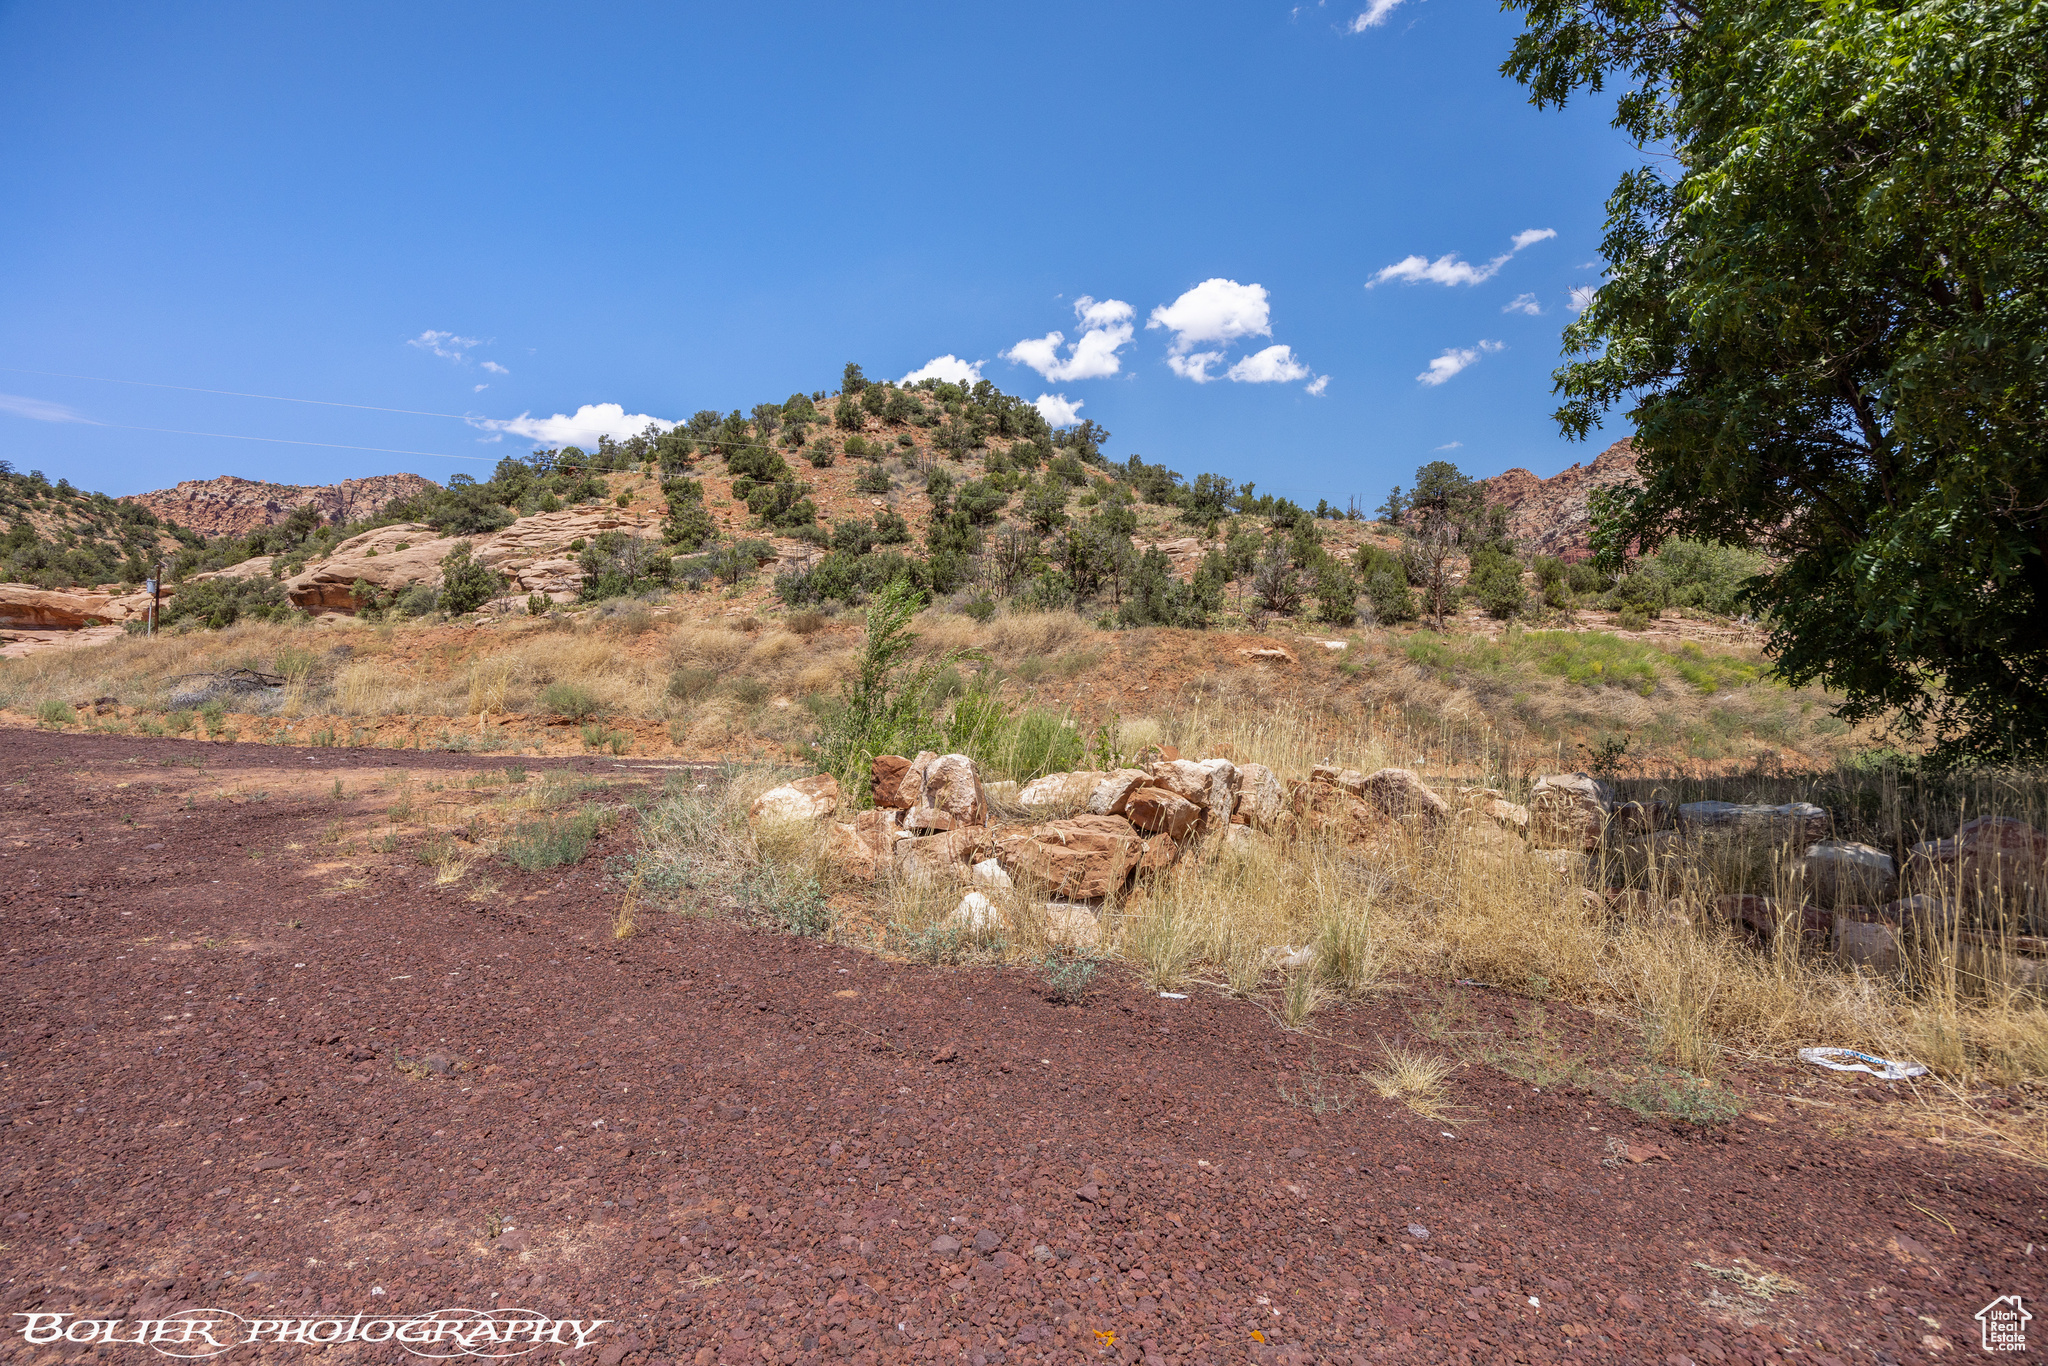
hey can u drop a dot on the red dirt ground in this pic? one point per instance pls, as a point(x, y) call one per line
point(229, 1078)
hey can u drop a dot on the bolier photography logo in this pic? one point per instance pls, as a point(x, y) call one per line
point(2005, 1322)
point(443, 1334)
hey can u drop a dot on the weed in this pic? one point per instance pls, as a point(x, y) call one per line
point(1300, 998)
point(790, 897)
point(178, 722)
point(1539, 1058)
point(52, 714)
point(1348, 960)
point(623, 919)
point(1413, 1077)
point(552, 841)
point(1679, 1095)
point(1319, 1092)
point(339, 793)
point(1760, 1284)
point(387, 845)
point(336, 833)
point(494, 1222)
point(570, 702)
point(939, 945)
point(1068, 974)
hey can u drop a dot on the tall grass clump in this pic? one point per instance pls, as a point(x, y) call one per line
point(884, 708)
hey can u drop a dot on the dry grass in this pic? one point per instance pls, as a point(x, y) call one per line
point(1415, 1078)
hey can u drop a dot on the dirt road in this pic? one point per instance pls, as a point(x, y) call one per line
point(252, 1060)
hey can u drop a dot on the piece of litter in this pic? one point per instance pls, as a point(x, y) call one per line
point(1534, 1303)
point(1418, 1231)
point(1447, 1133)
point(1173, 995)
point(1849, 1060)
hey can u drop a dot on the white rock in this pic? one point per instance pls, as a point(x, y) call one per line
point(1288, 958)
point(975, 912)
point(1060, 792)
point(1075, 926)
point(1851, 872)
point(990, 873)
point(1794, 820)
point(809, 799)
point(1259, 796)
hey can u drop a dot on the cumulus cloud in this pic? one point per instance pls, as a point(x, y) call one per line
point(583, 428)
point(1456, 359)
point(1523, 303)
point(1215, 313)
point(37, 410)
point(477, 389)
point(446, 345)
point(1581, 296)
point(1450, 446)
point(1216, 310)
point(1449, 270)
point(1274, 365)
point(1058, 410)
point(1322, 383)
point(1106, 327)
point(949, 368)
point(495, 368)
point(1373, 15)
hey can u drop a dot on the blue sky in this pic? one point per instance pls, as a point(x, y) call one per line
point(491, 215)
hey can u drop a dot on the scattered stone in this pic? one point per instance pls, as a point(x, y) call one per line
point(990, 873)
point(987, 1241)
point(1260, 798)
point(1800, 821)
point(928, 820)
point(1082, 857)
point(952, 784)
point(809, 799)
point(1271, 653)
point(977, 913)
point(1158, 810)
point(1072, 926)
point(945, 1245)
point(1398, 792)
point(1162, 851)
point(1060, 793)
point(1841, 871)
point(1568, 811)
point(1112, 792)
point(1866, 940)
point(940, 856)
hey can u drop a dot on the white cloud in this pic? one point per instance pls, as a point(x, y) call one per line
point(1107, 328)
point(446, 345)
point(949, 368)
point(37, 410)
point(1195, 367)
point(1216, 310)
point(1581, 297)
point(1057, 410)
point(1449, 270)
point(1523, 303)
point(479, 388)
point(1274, 365)
point(1456, 359)
point(1373, 15)
point(1322, 383)
point(495, 368)
point(589, 422)
point(1450, 446)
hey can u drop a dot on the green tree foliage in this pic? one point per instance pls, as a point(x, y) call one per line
point(1336, 591)
point(1825, 312)
point(1390, 597)
point(1496, 584)
point(218, 603)
point(467, 583)
point(689, 525)
point(1158, 599)
point(851, 380)
point(1045, 504)
point(884, 708)
point(615, 565)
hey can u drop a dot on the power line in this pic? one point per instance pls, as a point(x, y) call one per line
point(231, 393)
point(286, 441)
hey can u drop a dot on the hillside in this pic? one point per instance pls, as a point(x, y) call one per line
point(61, 537)
point(232, 506)
point(1550, 516)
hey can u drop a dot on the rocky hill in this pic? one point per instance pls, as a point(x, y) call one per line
point(1549, 516)
point(231, 506)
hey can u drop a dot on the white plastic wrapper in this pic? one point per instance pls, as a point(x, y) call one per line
point(1849, 1060)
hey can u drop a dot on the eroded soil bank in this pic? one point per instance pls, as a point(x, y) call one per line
point(256, 1055)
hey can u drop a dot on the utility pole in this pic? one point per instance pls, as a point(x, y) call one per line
point(156, 595)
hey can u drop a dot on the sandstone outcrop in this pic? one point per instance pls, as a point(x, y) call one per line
point(231, 506)
point(1553, 516)
point(1801, 822)
point(28, 608)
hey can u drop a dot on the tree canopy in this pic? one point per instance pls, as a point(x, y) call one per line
point(1824, 313)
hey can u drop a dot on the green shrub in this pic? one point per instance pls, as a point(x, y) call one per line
point(537, 604)
point(217, 603)
point(1068, 974)
point(981, 607)
point(1496, 583)
point(872, 480)
point(552, 841)
point(52, 713)
point(467, 583)
point(1392, 600)
point(820, 455)
point(616, 565)
point(416, 601)
point(1582, 578)
point(691, 684)
point(569, 702)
